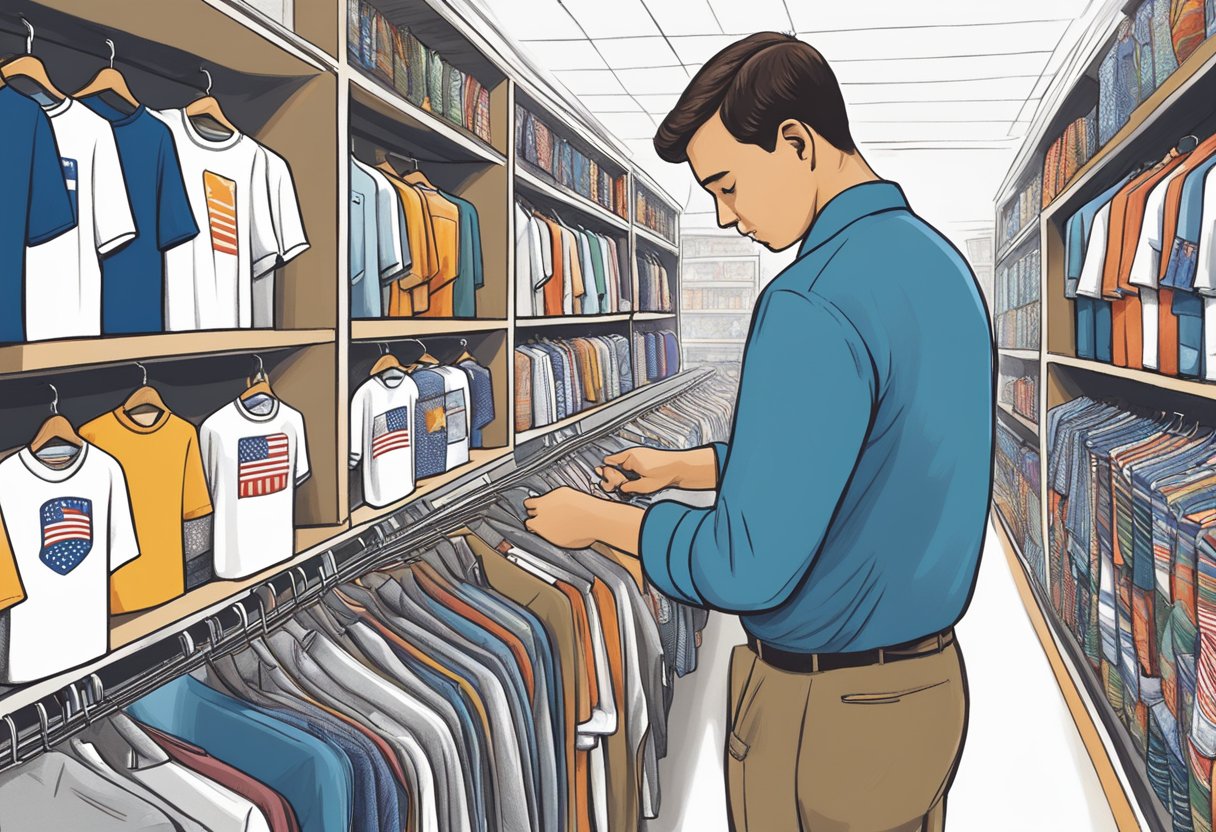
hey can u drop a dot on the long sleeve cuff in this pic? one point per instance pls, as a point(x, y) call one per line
point(720, 451)
point(668, 528)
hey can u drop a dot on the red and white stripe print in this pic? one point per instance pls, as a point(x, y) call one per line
point(75, 525)
point(267, 474)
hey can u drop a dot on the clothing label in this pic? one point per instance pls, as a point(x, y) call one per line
point(67, 533)
point(264, 465)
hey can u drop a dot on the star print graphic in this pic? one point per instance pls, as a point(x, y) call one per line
point(436, 419)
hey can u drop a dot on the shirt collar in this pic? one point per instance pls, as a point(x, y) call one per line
point(850, 205)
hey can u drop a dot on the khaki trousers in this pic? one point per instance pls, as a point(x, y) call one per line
point(865, 749)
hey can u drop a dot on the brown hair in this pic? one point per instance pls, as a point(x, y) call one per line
point(757, 83)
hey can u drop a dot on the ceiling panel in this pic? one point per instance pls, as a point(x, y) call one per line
point(917, 43)
point(611, 103)
point(658, 80)
point(924, 111)
point(567, 54)
point(627, 53)
point(658, 104)
point(619, 18)
point(876, 14)
point(545, 18)
point(753, 15)
point(591, 82)
point(867, 70)
point(1008, 88)
point(685, 17)
point(629, 125)
point(697, 49)
point(934, 132)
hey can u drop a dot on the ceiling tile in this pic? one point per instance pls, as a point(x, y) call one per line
point(615, 19)
point(936, 69)
point(565, 54)
point(658, 104)
point(945, 133)
point(660, 80)
point(918, 43)
point(1011, 88)
point(611, 103)
point(753, 15)
point(629, 53)
point(591, 82)
point(697, 49)
point(887, 13)
point(628, 125)
point(545, 19)
point(684, 17)
point(913, 111)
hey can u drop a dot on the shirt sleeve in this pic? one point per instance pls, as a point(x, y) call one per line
point(174, 217)
point(113, 225)
point(12, 592)
point(124, 546)
point(285, 208)
point(793, 452)
point(479, 274)
point(1147, 260)
point(1205, 274)
point(1090, 284)
point(303, 471)
point(50, 208)
point(196, 501)
point(391, 238)
point(357, 406)
point(263, 244)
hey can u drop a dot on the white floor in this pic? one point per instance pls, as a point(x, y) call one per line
point(1024, 766)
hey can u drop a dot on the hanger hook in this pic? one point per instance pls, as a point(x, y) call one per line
point(110, 43)
point(464, 343)
point(203, 70)
point(55, 400)
point(384, 348)
point(44, 726)
point(29, 38)
point(261, 367)
point(140, 365)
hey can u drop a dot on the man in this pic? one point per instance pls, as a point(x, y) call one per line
point(853, 494)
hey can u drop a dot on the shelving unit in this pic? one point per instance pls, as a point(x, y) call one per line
point(721, 281)
point(1027, 425)
point(1179, 106)
point(299, 93)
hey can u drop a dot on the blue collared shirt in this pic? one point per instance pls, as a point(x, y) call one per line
point(853, 495)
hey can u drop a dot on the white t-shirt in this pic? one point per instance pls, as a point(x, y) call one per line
point(381, 437)
point(1090, 284)
point(67, 530)
point(63, 275)
point(456, 411)
point(209, 280)
point(254, 463)
point(391, 240)
point(288, 230)
point(1147, 263)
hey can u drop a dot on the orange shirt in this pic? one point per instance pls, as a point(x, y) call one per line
point(409, 294)
point(444, 218)
point(12, 592)
point(556, 285)
point(165, 478)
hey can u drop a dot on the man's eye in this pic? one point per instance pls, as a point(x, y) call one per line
point(729, 190)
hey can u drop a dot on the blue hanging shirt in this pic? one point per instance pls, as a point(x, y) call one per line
point(853, 495)
point(36, 205)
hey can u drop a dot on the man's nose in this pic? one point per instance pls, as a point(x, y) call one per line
point(726, 217)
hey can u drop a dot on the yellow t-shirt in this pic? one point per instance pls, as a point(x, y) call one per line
point(165, 478)
point(12, 592)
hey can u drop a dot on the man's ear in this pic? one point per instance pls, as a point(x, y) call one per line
point(800, 138)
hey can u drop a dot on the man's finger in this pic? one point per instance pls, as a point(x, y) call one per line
point(622, 458)
point(635, 487)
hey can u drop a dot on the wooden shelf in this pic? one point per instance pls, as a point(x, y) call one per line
point(1018, 418)
point(1022, 355)
point(572, 320)
point(532, 182)
point(654, 239)
point(393, 328)
point(374, 94)
point(79, 352)
point(365, 515)
point(1192, 387)
point(1031, 229)
point(653, 316)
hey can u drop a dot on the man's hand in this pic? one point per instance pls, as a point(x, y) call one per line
point(654, 470)
point(564, 517)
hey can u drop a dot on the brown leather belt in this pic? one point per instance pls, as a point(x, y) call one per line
point(819, 662)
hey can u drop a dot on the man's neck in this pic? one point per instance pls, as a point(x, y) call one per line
point(851, 170)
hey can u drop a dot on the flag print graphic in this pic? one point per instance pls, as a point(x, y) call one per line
point(221, 210)
point(67, 533)
point(263, 465)
point(391, 432)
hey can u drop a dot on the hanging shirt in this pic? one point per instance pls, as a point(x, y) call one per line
point(591, 297)
point(133, 278)
point(430, 424)
point(481, 404)
point(445, 228)
point(209, 280)
point(381, 423)
point(65, 531)
point(456, 407)
point(409, 294)
point(364, 246)
point(37, 206)
point(253, 461)
point(471, 275)
point(288, 230)
point(63, 275)
point(164, 472)
point(392, 237)
point(524, 258)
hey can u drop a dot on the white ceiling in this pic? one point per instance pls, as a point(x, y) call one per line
point(939, 93)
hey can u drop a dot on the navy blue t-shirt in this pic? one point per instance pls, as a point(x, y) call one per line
point(133, 278)
point(36, 206)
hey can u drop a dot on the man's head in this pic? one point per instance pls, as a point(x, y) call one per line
point(764, 128)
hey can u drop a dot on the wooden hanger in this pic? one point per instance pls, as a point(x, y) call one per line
point(56, 429)
point(387, 361)
point(465, 355)
point(144, 397)
point(109, 79)
point(414, 176)
point(31, 68)
point(209, 107)
point(424, 360)
point(259, 383)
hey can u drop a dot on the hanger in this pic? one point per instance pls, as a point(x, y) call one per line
point(31, 69)
point(110, 80)
point(208, 107)
point(1187, 143)
point(411, 177)
point(386, 362)
point(465, 355)
point(424, 360)
point(144, 398)
point(56, 430)
point(259, 383)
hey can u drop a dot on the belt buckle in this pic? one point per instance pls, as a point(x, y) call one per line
point(882, 656)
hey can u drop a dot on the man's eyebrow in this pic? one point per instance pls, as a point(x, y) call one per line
point(707, 181)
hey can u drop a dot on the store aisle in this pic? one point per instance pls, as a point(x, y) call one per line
point(1021, 732)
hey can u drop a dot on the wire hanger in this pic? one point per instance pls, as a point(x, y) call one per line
point(29, 69)
point(424, 360)
point(386, 362)
point(109, 80)
point(145, 399)
point(56, 431)
point(258, 384)
point(208, 106)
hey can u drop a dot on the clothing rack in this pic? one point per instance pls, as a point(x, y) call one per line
point(280, 598)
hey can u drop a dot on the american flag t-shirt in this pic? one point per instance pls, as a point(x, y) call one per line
point(391, 431)
point(263, 465)
point(67, 532)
